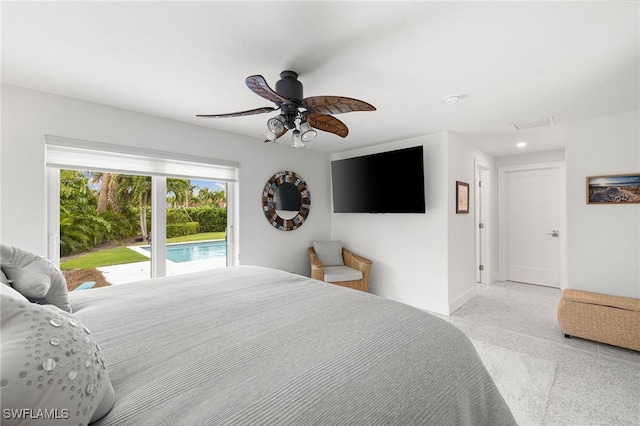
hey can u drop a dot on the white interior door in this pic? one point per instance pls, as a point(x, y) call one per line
point(483, 260)
point(534, 226)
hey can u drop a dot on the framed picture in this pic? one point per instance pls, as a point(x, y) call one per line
point(462, 197)
point(613, 189)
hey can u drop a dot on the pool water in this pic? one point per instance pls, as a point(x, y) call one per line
point(189, 252)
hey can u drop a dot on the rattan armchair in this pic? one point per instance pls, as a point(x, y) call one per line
point(351, 260)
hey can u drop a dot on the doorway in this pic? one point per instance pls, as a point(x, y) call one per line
point(482, 221)
point(532, 231)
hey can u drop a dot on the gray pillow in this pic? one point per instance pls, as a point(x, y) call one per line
point(34, 276)
point(329, 252)
point(50, 360)
point(32, 280)
point(3, 278)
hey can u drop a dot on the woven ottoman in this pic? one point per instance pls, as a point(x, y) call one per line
point(608, 319)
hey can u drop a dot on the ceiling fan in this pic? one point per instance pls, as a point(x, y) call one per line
point(302, 115)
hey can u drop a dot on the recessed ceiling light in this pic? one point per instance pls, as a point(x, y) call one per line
point(521, 144)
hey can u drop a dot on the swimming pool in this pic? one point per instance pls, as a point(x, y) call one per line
point(188, 252)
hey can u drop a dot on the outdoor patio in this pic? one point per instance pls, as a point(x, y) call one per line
point(138, 271)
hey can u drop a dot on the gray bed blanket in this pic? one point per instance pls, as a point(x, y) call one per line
point(250, 345)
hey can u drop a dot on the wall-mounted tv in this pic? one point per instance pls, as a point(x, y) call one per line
point(387, 182)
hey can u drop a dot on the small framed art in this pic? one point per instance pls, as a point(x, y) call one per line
point(613, 189)
point(462, 197)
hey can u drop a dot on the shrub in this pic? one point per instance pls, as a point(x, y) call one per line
point(80, 227)
point(182, 229)
point(211, 219)
point(123, 224)
point(177, 216)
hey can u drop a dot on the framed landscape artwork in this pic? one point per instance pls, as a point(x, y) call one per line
point(613, 189)
point(462, 197)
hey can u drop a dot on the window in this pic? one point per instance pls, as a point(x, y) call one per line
point(167, 173)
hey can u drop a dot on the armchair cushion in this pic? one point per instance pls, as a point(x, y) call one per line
point(354, 273)
point(333, 274)
point(329, 252)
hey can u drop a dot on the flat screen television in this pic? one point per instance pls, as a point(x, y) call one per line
point(387, 182)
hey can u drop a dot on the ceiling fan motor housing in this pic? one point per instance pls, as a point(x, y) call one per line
point(289, 87)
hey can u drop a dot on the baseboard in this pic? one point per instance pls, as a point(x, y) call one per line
point(425, 305)
point(462, 299)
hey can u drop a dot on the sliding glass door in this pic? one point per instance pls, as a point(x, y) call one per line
point(108, 226)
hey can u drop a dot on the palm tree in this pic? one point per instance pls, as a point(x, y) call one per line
point(103, 196)
point(182, 191)
point(204, 195)
point(80, 227)
point(219, 198)
point(107, 193)
point(137, 190)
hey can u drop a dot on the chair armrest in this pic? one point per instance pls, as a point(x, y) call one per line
point(317, 268)
point(360, 263)
point(352, 260)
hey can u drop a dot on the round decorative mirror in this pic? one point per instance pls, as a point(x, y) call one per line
point(286, 201)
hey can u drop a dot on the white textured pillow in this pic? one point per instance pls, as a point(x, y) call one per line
point(52, 368)
point(329, 252)
point(34, 276)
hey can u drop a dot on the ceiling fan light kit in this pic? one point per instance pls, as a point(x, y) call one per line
point(302, 115)
point(306, 132)
point(297, 140)
point(271, 137)
point(276, 125)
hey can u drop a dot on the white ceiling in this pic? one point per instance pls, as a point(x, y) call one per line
point(511, 62)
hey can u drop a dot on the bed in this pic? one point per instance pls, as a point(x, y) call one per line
point(250, 345)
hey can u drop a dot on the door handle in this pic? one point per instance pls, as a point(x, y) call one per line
point(554, 233)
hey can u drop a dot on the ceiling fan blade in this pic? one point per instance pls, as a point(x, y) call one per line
point(240, 114)
point(328, 123)
point(258, 85)
point(336, 104)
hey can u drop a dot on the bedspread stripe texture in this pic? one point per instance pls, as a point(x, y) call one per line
point(250, 345)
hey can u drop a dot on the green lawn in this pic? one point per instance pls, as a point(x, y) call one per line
point(121, 255)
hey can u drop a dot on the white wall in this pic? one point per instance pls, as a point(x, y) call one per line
point(603, 240)
point(462, 159)
point(28, 115)
point(425, 260)
point(531, 158)
point(410, 260)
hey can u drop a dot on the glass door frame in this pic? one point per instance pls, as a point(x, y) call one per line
point(158, 221)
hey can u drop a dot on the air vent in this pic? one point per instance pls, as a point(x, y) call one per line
point(541, 122)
